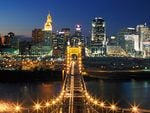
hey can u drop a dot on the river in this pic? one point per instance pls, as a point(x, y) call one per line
point(124, 92)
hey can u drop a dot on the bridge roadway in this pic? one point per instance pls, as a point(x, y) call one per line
point(75, 98)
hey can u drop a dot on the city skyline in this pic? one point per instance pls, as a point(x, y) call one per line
point(21, 17)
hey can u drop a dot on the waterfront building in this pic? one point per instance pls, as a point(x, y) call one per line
point(121, 36)
point(132, 45)
point(112, 41)
point(144, 39)
point(112, 49)
point(98, 38)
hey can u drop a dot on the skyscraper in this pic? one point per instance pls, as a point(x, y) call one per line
point(144, 39)
point(77, 37)
point(37, 35)
point(45, 47)
point(121, 36)
point(66, 33)
point(48, 31)
point(98, 37)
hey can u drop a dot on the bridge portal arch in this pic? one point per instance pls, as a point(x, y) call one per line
point(73, 54)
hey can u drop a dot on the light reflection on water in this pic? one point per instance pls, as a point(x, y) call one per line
point(123, 92)
point(27, 93)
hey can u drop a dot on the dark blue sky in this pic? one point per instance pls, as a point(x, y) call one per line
point(22, 16)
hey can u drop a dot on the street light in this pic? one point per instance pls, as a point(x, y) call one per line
point(113, 107)
point(53, 102)
point(17, 108)
point(134, 109)
point(47, 104)
point(102, 104)
point(37, 107)
point(95, 102)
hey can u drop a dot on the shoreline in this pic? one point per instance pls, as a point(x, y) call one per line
point(119, 74)
point(51, 75)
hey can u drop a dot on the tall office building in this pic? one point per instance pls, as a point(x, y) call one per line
point(77, 37)
point(121, 36)
point(45, 47)
point(66, 33)
point(144, 39)
point(38, 36)
point(48, 31)
point(144, 32)
point(132, 45)
point(59, 45)
point(98, 37)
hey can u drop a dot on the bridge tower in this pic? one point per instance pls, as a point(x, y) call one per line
point(73, 53)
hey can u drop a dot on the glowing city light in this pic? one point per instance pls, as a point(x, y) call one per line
point(17, 108)
point(95, 102)
point(53, 102)
point(113, 107)
point(37, 106)
point(135, 109)
point(102, 104)
point(47, 104)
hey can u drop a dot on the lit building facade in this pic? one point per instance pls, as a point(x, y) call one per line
point(38, 36)
point(48, 32)
point(66, 33)
point(144, 35)
point(132, 45)
point(77, 38)
point(121, 36)
point(10, 44)
point(144, 39)
point(59, 45)
point(98, 38)
point(45, 47)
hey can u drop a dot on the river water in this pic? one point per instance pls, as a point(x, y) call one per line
point(123, 92)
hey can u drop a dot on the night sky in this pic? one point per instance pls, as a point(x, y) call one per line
point(22, 16)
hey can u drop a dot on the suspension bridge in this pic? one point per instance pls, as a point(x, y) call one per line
point(74, 97)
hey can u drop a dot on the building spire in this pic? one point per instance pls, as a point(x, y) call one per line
point(48, 23)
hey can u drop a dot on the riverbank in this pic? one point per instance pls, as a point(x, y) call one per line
point(117, 74)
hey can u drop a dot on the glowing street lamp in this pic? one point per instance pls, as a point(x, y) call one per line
point(102, 104)
point(17, 108)
point(134, 109)
point(113, 107)
point(47, 104)
point(37, 107)
point(95, 102)
point(53, 102)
